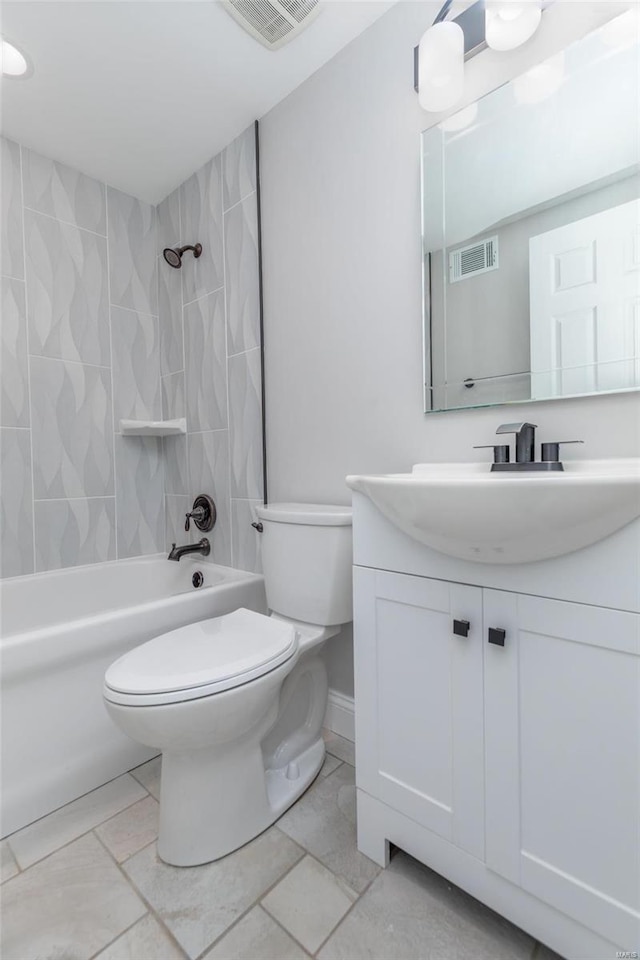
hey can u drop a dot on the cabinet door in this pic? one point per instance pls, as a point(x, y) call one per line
point(419, 701)
point(562, 737)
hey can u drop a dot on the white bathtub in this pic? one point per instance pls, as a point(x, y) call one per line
point(59, 632)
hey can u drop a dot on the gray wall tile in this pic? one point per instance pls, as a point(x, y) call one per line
point(175, 465)
point(16, 514)
point(209, 473)
point(206, 367)
point(246, 541)
point(132, 252)
point(11, 251)
point(67, 291)
point(170, 312)
point(241, 275)
point(62, 192)
point(245, 425)
point(201, 222)
point(173, 401)
point(239, 168)
point(140, 495)
point(71, 532)
point(169, 221)
point(14, 385)
point(72, 430)
point(136, 366)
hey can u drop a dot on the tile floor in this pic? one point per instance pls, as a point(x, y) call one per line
point(85, 882)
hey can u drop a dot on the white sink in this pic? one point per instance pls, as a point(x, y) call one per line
point(465, 511)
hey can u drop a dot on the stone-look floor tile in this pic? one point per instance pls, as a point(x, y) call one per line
point(256, 935)
point(544, 953)
point(330, 764)
point(8, 865)
point(148, 774)
point(199, 903)
point(324, 822)
point(68, 906)
point(409, 911)
point(41, 838)
point(309, 902)
point(131, 830)
point(146, 940)
point(340, 747)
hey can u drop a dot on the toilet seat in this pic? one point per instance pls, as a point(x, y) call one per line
point(201, 659)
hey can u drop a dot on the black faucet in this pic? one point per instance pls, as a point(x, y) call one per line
point(525, 451)
point(203, 547)
point(525, 440)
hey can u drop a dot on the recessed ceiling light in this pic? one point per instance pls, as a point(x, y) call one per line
point(13, 63)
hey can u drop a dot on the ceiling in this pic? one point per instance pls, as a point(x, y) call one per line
point(141, 93)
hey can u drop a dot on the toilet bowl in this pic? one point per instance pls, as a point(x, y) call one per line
point(236, 703)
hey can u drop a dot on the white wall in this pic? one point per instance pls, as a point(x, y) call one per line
point(340, 174)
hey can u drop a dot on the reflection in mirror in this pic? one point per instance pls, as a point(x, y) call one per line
point(531, 232)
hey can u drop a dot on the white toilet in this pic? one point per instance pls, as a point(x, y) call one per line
point(236, 703)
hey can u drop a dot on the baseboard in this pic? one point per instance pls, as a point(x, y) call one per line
point(340, 717)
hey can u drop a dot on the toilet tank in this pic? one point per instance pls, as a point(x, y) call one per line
point(306, 560)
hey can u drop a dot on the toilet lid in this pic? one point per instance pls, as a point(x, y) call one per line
point(202, 658)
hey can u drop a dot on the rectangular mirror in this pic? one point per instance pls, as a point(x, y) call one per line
point(531, 233)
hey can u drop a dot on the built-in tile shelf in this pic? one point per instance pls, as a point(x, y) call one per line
point(153, 428)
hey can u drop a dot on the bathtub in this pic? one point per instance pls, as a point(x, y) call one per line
point(59, 632)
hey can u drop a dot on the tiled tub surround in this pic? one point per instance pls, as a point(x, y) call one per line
point(299, 890)
point(97, 327)
point(211, 364)
point(61, 631)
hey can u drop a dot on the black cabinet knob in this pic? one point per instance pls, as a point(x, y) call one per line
point(497, 635)
point(461, 628)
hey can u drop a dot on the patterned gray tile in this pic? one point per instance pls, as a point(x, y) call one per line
point(245, 540)
point(140, 495)
point(176, 478)
point(40, 907)
point(198, 904)
point(72, 430)
point(175, 510)
point(146, 940)
point(16, 514)
point(239, 167)
point(136, 366)
point(62, 192)
point(209, 473)
point(256, 935)
point(241, 275)
point(169, 221)
point(324, 822)
point(67, 291)
point(14, 386)
point(173, 401)
point(71, 532)
point(132, 252)
point(170, 313)
point(206, 367)
point(201, 222)
point(43, 837)
point(11, 247)
point(410, 912)
point(245, 424)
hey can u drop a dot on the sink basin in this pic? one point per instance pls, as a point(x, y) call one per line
point(465, 511)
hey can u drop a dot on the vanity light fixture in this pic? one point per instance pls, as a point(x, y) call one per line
point(13, 62)
point(439, 57)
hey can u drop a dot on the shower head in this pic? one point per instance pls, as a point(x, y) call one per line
point(173, 255)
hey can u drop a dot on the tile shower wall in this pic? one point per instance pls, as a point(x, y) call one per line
point(210, 351)
point(80, 350)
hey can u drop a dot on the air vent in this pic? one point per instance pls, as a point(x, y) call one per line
point(477, 258)
point(273, 22)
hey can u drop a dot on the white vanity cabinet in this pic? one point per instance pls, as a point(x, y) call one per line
point(513, 769)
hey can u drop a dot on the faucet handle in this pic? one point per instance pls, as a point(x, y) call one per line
point(551, 451)
point(500, 451)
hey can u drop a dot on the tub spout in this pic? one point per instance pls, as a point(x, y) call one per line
point(203, 547)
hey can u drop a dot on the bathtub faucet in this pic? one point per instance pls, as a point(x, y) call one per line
point(203, 546)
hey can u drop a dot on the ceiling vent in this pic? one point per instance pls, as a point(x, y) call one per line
point(476, 258)
point(273, 22)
